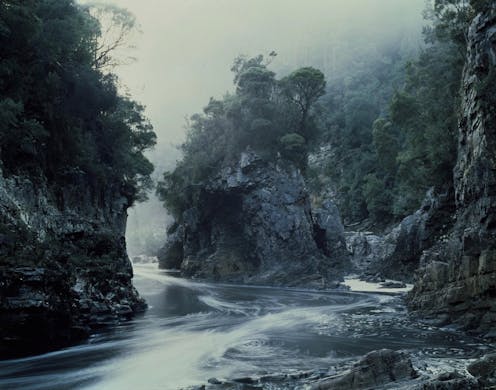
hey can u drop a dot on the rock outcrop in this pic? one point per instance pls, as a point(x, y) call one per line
point(457, 279)
point(396, 255)
point(329, 232)
point(63, 263)
point(376, 369)
point(253, 223)
point(484, 370)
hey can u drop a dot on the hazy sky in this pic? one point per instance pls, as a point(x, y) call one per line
point(187, 46)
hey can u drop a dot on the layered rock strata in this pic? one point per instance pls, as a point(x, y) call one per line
point(457, 279)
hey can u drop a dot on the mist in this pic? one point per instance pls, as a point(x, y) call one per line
point(186, 49)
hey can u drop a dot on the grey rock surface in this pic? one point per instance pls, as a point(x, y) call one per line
point(63, 263)
point(253, 223)
point(329, 231)
point(377, 368)
point(484, 370)
point(457, 279)
point(450, 381)
point(396, 255)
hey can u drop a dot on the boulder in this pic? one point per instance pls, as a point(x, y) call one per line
point(450, 381)
point(484, 370)
point(376, 369)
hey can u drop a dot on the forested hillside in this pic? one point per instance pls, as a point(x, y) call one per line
point(392, 130)
point(71, 163)
point(387, 123)
point(61, 114)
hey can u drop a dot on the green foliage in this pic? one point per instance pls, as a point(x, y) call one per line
point(303, 88)
point(393, 127)
point(293, 148)
point(275, 118)
point(361, 144)
point(58, 112)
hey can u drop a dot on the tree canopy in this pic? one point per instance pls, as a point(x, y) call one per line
point(60, 114)
point(273, 117)
point(392, 122)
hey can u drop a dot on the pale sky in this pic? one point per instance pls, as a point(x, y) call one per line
point(186, 49)
point(187, 46)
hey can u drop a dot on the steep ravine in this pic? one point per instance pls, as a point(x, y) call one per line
point(457, 279)
point(448, 247)
point(64, 269)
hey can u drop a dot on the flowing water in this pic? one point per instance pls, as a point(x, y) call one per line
point(195, 331)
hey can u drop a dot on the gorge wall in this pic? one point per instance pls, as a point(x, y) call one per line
point(457, 278)
point(253, 223)
point(63, 263)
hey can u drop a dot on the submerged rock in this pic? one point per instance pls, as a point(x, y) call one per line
point(63, 263)
point(253, 223)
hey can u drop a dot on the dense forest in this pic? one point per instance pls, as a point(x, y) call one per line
point(61, 113)
point(384, 131)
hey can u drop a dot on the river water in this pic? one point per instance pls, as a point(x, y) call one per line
point(196, 331)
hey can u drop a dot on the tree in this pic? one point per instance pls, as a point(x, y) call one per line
point(258, 116)
point(303, 88)
point(60, 115)
point(114, 28)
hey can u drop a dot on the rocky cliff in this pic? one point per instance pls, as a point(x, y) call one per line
point(457, 279)
point(63, 263)
point(396, 254)
point(253, 223)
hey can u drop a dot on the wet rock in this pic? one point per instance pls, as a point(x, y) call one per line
point(63, 263)
point(392, 284)
point(171, 255)
point(396, 255)
point(253, 223)
point(329, 231)
point(457, 277)
point(484, 370)
point(376, 369)
point(144, 259)
point(450, 381)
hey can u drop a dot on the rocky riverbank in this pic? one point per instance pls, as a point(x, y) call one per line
point(457, 279)
point(64, 269)
point(381, 369)
point(448, 246)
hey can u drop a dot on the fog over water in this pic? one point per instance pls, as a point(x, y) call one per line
point(187, 47)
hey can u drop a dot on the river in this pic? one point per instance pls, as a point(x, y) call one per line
point(195, 331)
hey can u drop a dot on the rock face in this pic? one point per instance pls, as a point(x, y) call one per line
point(458, 275)
point(63, 263)
point(397, 254)
point(329, 232)
point(484, 370)
point(253, 224)
point(374, 370)
point(450, 381)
